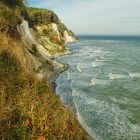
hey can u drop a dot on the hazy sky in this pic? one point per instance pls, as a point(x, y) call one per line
point(96, 16)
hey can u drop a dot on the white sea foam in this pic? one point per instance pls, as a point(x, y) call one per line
point(108, 114)
point(108, 41)
point(113, 117)
point(134, 75)
point(101, 60)
point(68, 75)
point(86, 50)
point(94, 64)
point(98, 107)
point(85, 126)
point(99, 82)
point(99, 51)
point(84, 65)
point(117, 76)
point(74, 76)
point(97, 63)
point(78, 68)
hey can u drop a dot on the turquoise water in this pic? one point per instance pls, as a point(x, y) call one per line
point(103, 84)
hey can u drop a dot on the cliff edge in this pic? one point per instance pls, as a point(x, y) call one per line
point(29, 107)
point(52, 32)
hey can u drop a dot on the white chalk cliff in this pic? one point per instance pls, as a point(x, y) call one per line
point(69, 38)
point(36, 51)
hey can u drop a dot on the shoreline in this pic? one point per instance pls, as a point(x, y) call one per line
point(73, 110)
point(52, 80)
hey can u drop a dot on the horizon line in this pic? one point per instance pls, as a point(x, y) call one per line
point(107, 35)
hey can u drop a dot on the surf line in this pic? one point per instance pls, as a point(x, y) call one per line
point(78, 68)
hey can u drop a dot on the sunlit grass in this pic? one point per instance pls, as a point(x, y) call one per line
point(29, 108)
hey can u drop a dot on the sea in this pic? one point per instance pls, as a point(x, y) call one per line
point(103, 85)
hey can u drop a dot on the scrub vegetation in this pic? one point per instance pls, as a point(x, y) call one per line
point(29, 107)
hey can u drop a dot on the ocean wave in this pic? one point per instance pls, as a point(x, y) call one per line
point(99, 82)
point(117, 76)
point(97, 97)
point(106, 118)
point(84, 65)
point(94, 64)
point(86, 50)
point(73, 76)
point(78, 68)
point(97, 63)
point(134, 75)
point(85, 126)
point(80, 85)
point(102, 60)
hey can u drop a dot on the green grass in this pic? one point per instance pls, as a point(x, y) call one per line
point(41, 16)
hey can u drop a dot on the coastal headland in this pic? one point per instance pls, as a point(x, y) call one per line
point(30, 41)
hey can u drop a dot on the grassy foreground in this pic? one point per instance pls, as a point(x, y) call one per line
point(29, 108)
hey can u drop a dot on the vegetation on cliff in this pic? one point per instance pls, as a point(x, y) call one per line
point(29, 108)
point(47, 23)
point(41, 16)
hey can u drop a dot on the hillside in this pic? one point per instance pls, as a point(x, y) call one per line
point(29, 107)
point(52, 32)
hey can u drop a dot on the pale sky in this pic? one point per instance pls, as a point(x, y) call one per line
point(96, 17)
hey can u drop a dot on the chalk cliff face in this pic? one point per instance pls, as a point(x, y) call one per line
point(41, 34)
point(44, 37)
point(69, 37)
point(52, 32)
point(38, 54)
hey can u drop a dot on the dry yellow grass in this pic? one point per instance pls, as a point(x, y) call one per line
point(29, 109)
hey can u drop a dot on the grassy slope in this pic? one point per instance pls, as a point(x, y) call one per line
point(29, 109)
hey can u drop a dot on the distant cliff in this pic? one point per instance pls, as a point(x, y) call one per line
point(52, 32)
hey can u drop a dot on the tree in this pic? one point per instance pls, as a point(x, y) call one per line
point(13, 3)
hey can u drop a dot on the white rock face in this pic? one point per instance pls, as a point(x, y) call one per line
point(27, 38)
point(55, 28)
point(68, 38)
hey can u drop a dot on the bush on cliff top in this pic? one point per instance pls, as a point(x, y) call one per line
point(41, 16)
